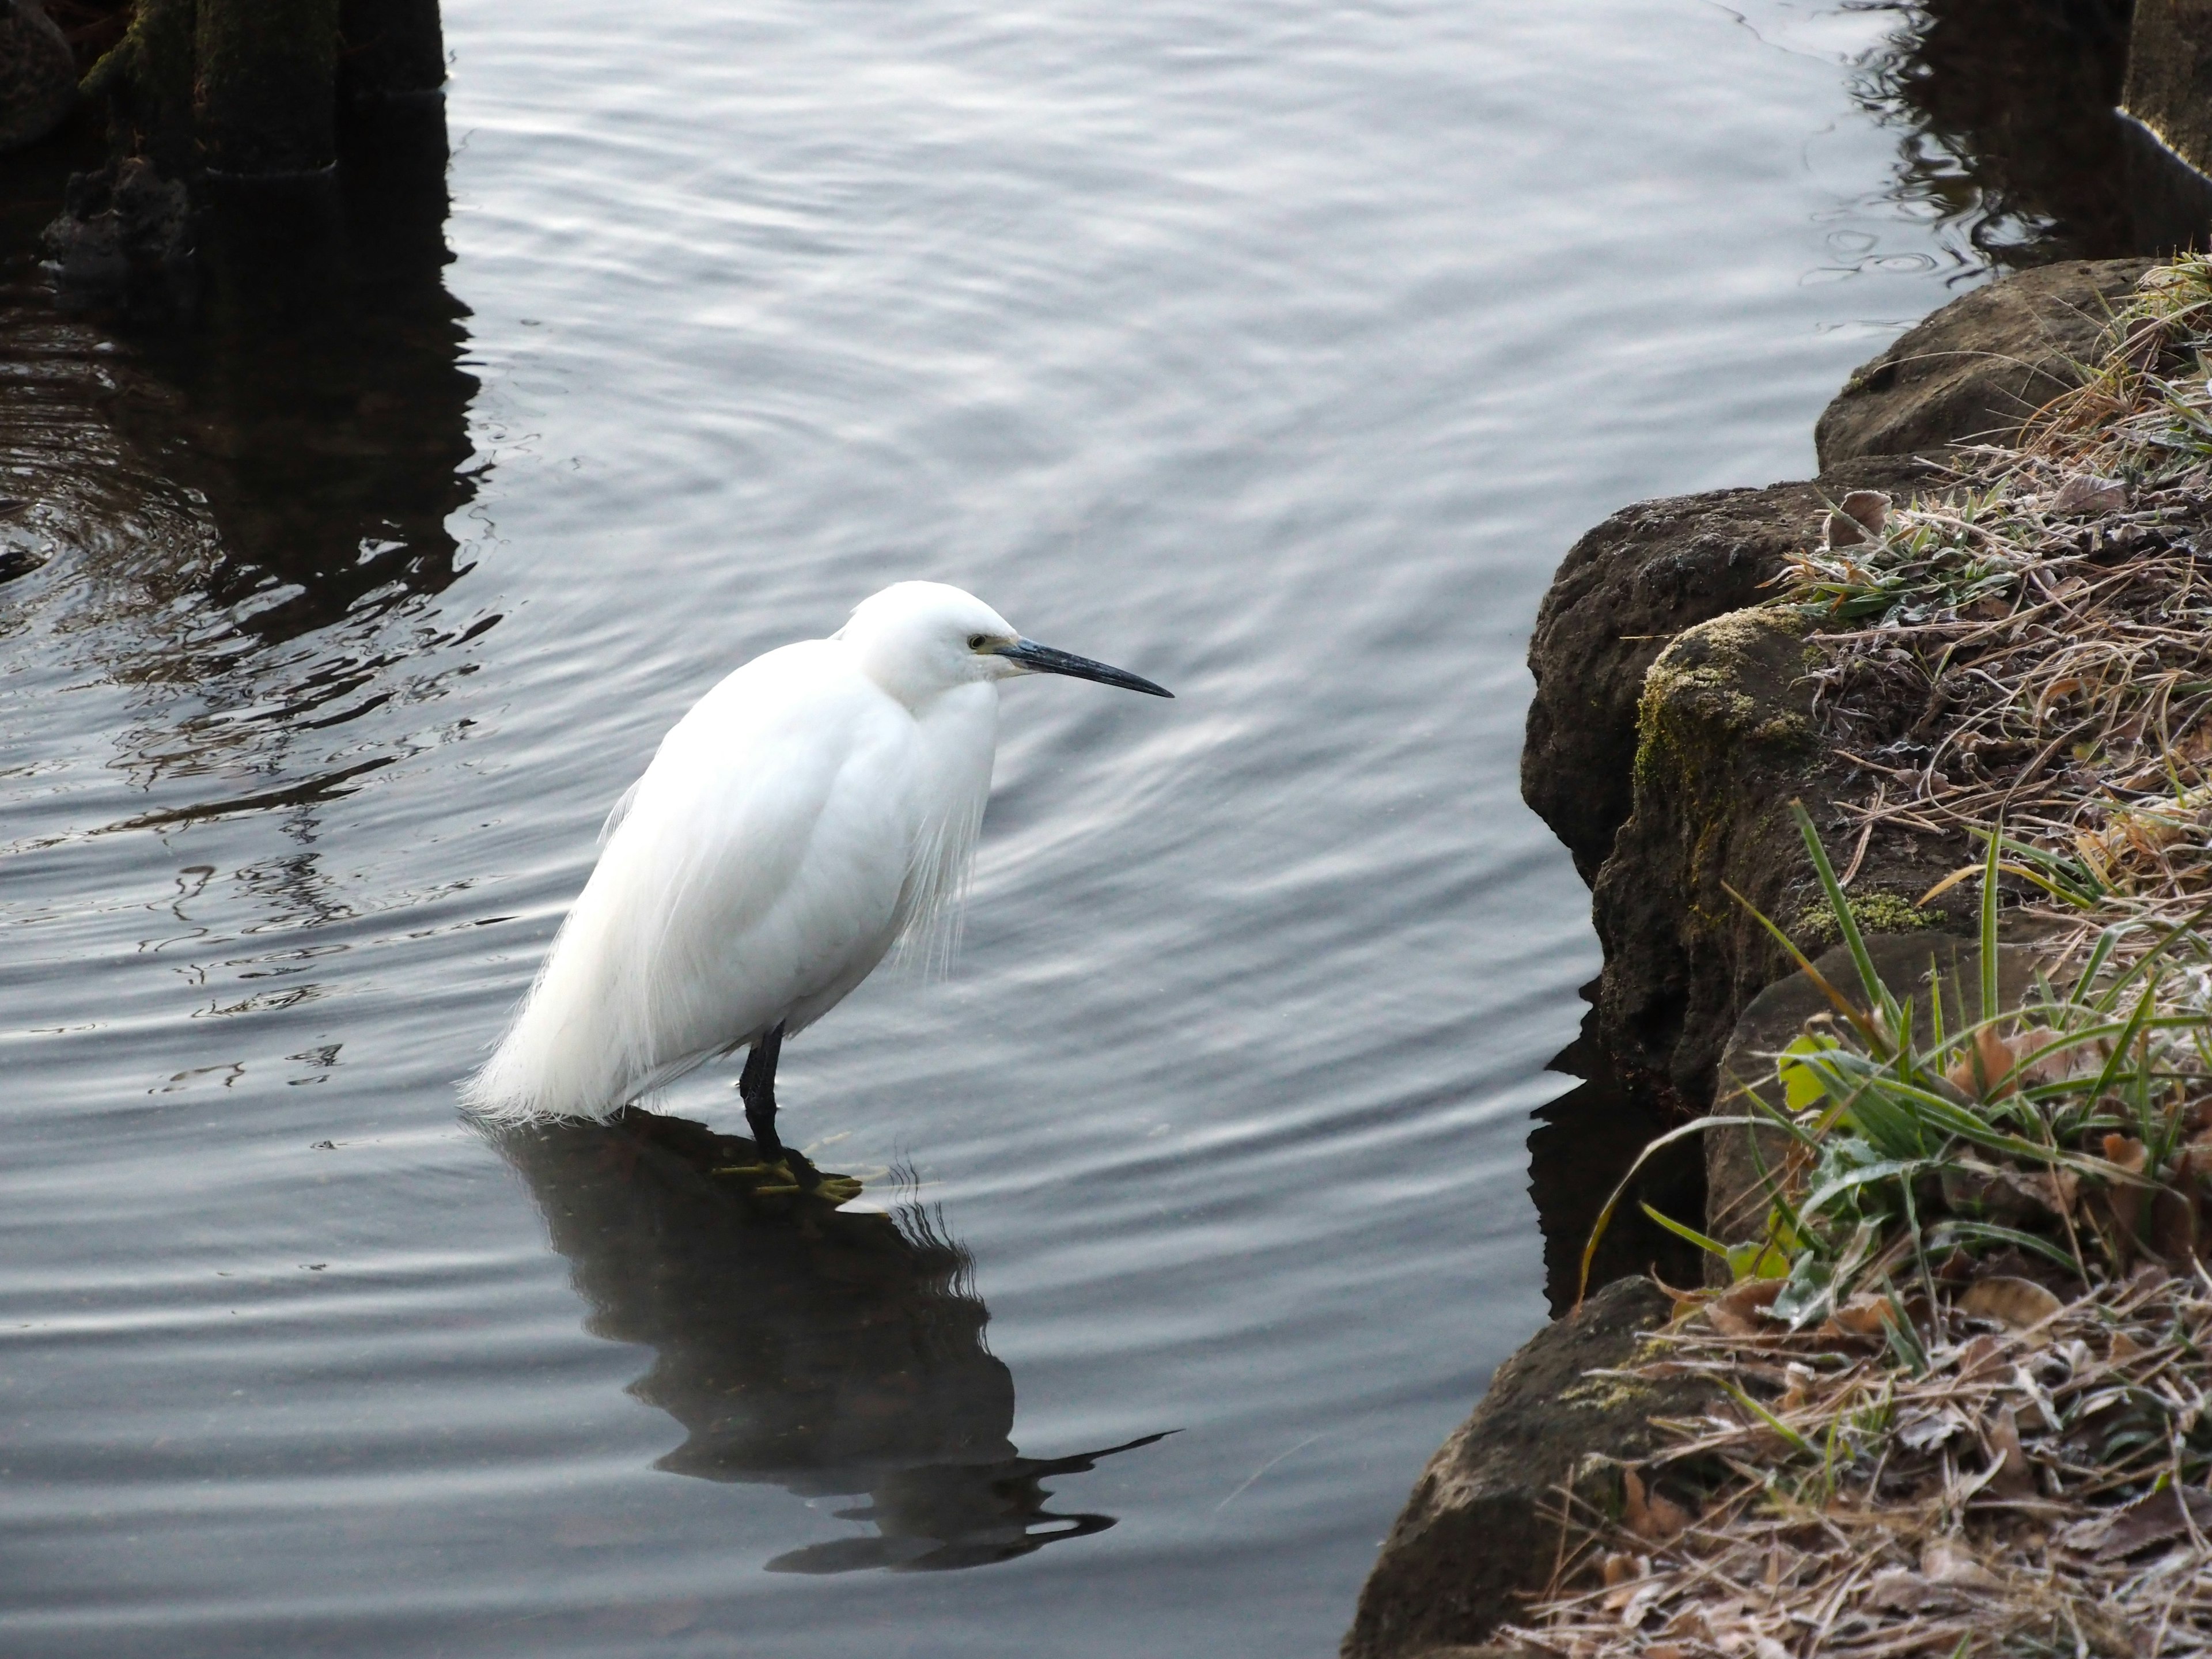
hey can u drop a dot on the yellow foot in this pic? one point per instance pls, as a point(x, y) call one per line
point(837, 1189)
point(776, 1179)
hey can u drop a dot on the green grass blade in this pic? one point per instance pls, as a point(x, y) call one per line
point(1605, 1215)
point(1711, 1246)
point(1877, 993)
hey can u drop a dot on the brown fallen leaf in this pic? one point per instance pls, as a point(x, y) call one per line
point(1984, 1356)
point(1985, 1063)
point(1691, 1622)
point(1841, 530)
point(1651, 1516)
point(2086, 492)
point(1634, 1571)
point(2126, 1151)
point(2013, 1478)
point(2152, 1521)
point(1736, 1311)
point(1870, 507)
point(1860, 1315)
point(1947, 1561)
point(2017, 1303)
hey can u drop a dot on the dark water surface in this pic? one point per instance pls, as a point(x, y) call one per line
point(1276, 353)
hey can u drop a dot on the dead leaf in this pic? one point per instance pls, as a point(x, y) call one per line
point(1633, 1570)
point(2013, 1478)
point(1735, 1311)
point(1901, 1589)
point(1795, 1394)
point(1844, 531)
point(1617, 1568)
point(1947, 1561)
point(2017, 1303)
point(2152, 1521)
point(2003, 1194)
point(1689, 1622)
point(2126, 1151)
point(1870, 507)
point(1924, 1429)
point(1651, 1516)
point(1640, 1602)
point(1860, 1315)
point(2053, 1058)
point(2086, 492)
point(2125, 1347)
point(1979, 1069)
point(1982, 1357)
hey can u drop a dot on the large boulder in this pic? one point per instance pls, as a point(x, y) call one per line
point(1979, 366)
point(38, 74)
point(1625, 590)
point(2169, 84)
point(1477, 1535)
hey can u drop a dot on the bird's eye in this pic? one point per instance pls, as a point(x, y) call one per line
point(977, 641)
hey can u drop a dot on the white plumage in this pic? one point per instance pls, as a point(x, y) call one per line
point(816, 805)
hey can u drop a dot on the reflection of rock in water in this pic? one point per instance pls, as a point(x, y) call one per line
point(824, 1350)
point(1583, 1142)
point(2007, 111)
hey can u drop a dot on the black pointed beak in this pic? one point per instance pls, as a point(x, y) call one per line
point(1043, 660)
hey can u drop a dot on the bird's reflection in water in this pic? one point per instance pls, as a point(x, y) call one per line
point(829, 1352)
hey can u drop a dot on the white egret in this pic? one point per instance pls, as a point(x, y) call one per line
point(818, 805)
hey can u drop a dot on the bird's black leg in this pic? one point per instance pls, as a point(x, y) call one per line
point(757, 1087)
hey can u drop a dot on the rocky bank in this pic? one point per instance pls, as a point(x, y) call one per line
point(1672, 726)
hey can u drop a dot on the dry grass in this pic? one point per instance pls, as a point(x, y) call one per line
point(2036, 1486)
point(2036, 648)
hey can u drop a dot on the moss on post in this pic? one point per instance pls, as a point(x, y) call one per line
point(264, 96)
point(147, 77)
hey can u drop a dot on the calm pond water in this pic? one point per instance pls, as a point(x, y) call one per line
point(1277, 353)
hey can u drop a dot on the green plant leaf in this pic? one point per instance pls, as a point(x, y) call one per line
point(1711, 1246)
point(1801, 1087)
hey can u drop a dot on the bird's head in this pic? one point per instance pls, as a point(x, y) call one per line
point(917, 640)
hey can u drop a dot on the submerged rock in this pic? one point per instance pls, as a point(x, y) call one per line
point(124, 243)
point(38, 74)
point(2169, 65)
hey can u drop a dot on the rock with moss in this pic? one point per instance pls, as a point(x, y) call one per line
point(1727, 739)
point(1623, 592)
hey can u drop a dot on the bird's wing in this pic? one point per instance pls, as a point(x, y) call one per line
point(761, 855)
point(618, 812)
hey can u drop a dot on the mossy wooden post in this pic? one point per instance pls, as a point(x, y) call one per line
point(148, 77)
point(265, 95)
